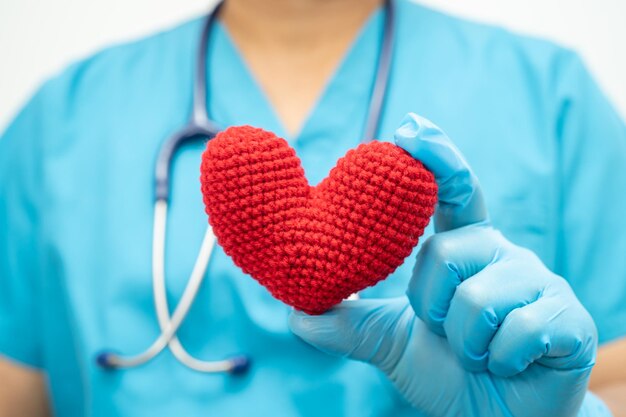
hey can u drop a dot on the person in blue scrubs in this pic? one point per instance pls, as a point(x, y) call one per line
point(549, 151)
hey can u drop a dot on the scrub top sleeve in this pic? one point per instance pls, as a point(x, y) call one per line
point(21, 191)
point(592, 233)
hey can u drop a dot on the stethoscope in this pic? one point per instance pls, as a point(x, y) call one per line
point(201, 127)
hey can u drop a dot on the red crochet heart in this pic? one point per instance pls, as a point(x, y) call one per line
point(312, 247)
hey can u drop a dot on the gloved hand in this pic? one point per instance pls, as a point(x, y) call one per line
point(485, 330)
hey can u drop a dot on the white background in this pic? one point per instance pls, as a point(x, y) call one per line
point(40, 37)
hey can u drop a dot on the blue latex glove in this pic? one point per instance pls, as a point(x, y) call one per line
point(485, 330)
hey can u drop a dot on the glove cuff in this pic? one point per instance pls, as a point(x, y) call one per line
point(594, 407)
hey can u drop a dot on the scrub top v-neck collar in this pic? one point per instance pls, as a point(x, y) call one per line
point(235, 97)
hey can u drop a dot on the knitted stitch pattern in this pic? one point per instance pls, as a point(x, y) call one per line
point(312, 247)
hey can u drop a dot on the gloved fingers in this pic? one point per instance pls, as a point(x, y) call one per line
point(373, 331)
point(461, 200)
point(481, 303)
point(554, 331)
point(446, 260)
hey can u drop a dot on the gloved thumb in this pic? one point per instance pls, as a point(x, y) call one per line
point(373, 331)
point(461, 201)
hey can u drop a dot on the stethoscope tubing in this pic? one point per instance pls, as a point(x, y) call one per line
point(169, 325)
point(200, 126)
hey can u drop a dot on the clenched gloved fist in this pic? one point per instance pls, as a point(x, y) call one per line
point(485, 330)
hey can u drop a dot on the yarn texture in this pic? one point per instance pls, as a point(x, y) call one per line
point(312, 247)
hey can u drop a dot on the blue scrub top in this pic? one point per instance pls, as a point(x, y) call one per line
point(76, 190)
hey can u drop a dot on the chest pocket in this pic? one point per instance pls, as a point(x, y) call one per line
point(523, 213)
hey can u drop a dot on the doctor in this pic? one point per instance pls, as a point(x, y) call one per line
point(497, 314)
